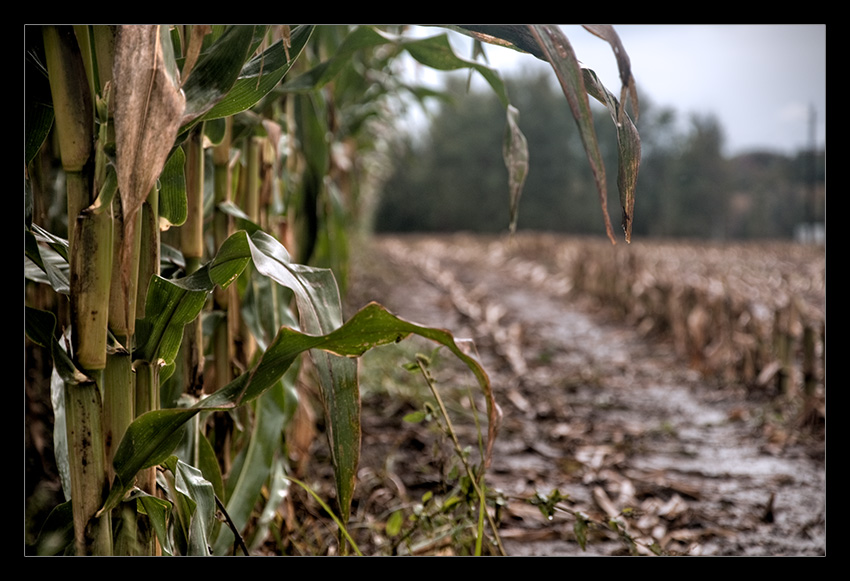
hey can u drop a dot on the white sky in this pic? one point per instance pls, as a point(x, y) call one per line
point(760, 81)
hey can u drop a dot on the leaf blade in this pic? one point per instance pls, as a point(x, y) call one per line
point(561, 56)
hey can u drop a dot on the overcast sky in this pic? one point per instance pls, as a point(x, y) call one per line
point(760, 81)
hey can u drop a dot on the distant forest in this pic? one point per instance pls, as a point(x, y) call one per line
point(453, 177)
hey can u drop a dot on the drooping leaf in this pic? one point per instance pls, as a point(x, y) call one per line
point(548, 43)
point(628, 89)
point(627, 135)
point(320, 312)
point(517, 36)
point(628, 142)
point(515, 153)
point(561, 56)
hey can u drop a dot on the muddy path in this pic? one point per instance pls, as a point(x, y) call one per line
point(600, 414)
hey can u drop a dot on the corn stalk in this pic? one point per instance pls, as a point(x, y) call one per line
point(138, 113)
point(90, 260)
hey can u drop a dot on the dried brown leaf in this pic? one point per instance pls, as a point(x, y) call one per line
point(148, 107)
point(607, 33)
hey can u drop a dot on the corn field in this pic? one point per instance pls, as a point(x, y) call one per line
point(189, 196)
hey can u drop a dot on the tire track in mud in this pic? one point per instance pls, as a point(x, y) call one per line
point(600, 414)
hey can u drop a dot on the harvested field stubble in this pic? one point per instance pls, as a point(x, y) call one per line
point(748, 312)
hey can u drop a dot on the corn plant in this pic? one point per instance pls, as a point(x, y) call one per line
point(198, 268)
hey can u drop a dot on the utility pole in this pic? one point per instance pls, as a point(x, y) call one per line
point(812, 170)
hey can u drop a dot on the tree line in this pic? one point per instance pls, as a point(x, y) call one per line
point(445, 177)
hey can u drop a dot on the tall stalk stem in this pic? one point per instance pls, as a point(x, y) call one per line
point(223, 337)
point(191, 362)
point(90, 257)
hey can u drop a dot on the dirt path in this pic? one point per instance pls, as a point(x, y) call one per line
point(602, 415)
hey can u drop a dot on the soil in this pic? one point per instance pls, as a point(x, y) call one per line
point(592, 409)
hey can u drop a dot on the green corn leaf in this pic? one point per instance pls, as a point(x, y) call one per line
point(158, 512)
point(261, 75)
point(170, 305)
point(361, 37)
point(320, 312)
point(216, 72)
point(196, 510)
point(208, 463)
point(257, 460)
point(436, 52)
point(151, 438)
point(229, 262)
point(148, 441)
point(173, 206)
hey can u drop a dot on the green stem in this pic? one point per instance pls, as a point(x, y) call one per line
point(421, 363)
point(190, 365)
point(147, 399)
point(223, 337)
point(192, 231)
